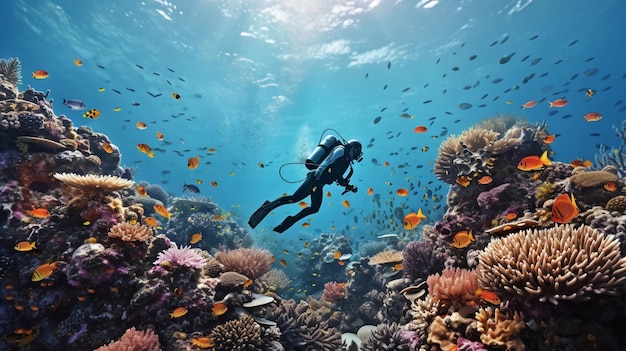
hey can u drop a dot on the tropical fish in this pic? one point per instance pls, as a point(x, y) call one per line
point(306, 224)
point(406, 115)
point(43, 271)
point(39, 213)
point(161, 210)
point(214, 184)
point(195, 238)
point(531, 163)
point(370, 191)
point(337, 254)
point(303, 204)
point(462, 239)
point(93, 113)
point(283, 263)
point(78, 62)
point(24, 246)
point(141, 190)
point(413, 219)
point(590, 92)
point(191, 188)
point(160, 135)
point(396, 267)
point(564, 208)
point(178, 312)
point(425, 148)
point(346, 203)
point(151, 221)
point(549, 139)
point(402, 192)
point(141, 125)
point(488, 296)
point(420, 129)
point(74, 104)
point(101, 89)
point(202, 342)
point(510, 216)
point(146, 149)
point(558, 103)
point(193, 162)
point(176, 96)
point(40, 74)
point(592, 117)
point(117, 109)
point(610, 186)
point(580, 163)
point(219, 309)
point(463, 180)
point(328, 194)
point(530, 104)
point(485, 180)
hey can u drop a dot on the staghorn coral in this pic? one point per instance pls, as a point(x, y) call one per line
point(130, 232)
point(239, 334)
point(453, 287)
point(181, 257)
point(250, 262)
point(498, 328)
point(389, 256)
point(553, 264)
point(134, 340)
point(91, 182)
point(11, 71)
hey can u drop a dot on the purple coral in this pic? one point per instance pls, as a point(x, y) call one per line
point(184, 256)
point(488, 199)
point(420, 260)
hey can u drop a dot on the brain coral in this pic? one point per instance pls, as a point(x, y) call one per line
point(553, 264)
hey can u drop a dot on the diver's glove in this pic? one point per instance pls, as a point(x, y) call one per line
point(351, 188)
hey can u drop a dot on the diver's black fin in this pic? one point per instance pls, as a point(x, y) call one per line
point(259, 214)
point(286, 224)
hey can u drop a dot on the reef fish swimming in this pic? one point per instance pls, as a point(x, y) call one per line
point(43, 271)
point(564, 209)
point(533, 162)
point(74, 104)
point(412, 219)
point(462, 239)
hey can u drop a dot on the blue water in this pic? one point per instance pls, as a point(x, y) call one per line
point(260, 81)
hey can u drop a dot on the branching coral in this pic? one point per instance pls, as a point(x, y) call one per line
point(130, 232)
point(11, 71)
point(454, 287)
point(498, 328)
point(91, 182)
point(134, 340)
point(250, 262)
point(181, 257)
point(239, 334)
point(553, 264)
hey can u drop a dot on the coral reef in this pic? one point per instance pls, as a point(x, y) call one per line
point(10, 70)
point(252, 262)
point(453, 287)
point(561, 263)
point(130, 232)
point(239, 334)
point(614, 157)
point(93, 183)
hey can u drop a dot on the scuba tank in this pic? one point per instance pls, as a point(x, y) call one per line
point(321, 151)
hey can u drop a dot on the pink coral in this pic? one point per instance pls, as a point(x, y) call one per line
point(184, 256)
point(454, 287)
point(334, 291)
point(134, 340)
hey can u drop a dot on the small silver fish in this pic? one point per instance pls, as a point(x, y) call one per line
point(74, 104)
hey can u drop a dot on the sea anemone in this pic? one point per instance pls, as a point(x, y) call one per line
point(182, 257)
point(92, 182)
point(250, 262)
point(453, 287)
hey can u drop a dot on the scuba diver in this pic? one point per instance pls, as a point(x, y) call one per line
point(327, 164)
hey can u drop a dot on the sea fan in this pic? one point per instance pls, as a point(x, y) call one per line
point(11, 70)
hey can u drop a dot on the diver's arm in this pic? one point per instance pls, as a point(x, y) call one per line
point(334, 156)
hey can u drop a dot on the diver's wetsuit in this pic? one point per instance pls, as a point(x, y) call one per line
point(330, 170)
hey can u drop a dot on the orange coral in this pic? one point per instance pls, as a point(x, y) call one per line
point(453, 287)
point(334, 291)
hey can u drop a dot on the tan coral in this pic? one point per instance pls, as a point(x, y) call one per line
point(617, 203)
point(238, 334)
point(251, 262)
point(592, 179)
point(389, 256)
point(233, 279)
point(498, 328)
point(276, 279)
point(553, 264)
point(92, 182)
point(130, 232)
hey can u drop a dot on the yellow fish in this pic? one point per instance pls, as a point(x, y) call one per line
point(203, 342)
point(146, 149)
point(78, 62)
point(462, 239)
point(93, 113)
point(195, 238)
point(193, 162)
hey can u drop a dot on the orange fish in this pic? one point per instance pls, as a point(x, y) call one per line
point(531, 163)
point(306, 224)
point(218, 217)
point(529, 104)
point(202, 342)
point(412, 219)
point(43, 271)
point(193, 162)
point(141, 190)
point(24, 246)
point(247, 283)
point(337, 254)
point(161, 210)
point(151, 221)
point(160, 135)
point(178, 312)
point(106, 146)
point(141, 125)
point(510, 216)
point(341, 263)
point(328, 194)
point(370, 191)
point(78, 62)
point(580, 163)
point(386, 164)
point(564, 209)
point(39, 213)
point(346, 203)
point(146, 149)
point(462, 239)
point(303, 204)
point(283, 263)
point(420, 129)
point(592, 117)
point(488, 296)
point(463, 180)
point(609, 186)
point(590, 92)
point(214, 184)
point(219, 309)
point(93, 113)
point(396, 267)
point(40, 74)
point(402, 192)
point(558, 103)
point(195, 238)
point(549, 139)
point(485, 180)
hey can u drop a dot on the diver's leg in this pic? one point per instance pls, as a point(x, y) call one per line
point(316, 202)
point(265, 209)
